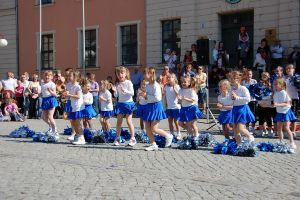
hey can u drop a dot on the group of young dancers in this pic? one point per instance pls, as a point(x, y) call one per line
point(181, 106)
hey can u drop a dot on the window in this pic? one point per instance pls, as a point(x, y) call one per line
point(47, 2)
point(90, 48)
point(47, 53)
point(129, 44)
point(171, 36)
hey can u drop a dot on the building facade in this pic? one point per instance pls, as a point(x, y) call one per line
point(115, 35)
point(8, 30)
point(178, 24)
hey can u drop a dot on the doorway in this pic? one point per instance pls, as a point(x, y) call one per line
point(230, 26)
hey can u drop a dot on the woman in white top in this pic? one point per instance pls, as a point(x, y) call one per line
point(284, 115)
point(124, 91)
point(154, 112)
point(106, 105)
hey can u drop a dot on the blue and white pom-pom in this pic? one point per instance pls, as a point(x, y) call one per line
point(22, 132)
point(89, 134)
point(205, 140)
point(68, 131)
point(282, 147)
point(230, 147)
point(265, 146)
point(246, 149)
point(227, 147)
point(141, 136)
point(43, 137)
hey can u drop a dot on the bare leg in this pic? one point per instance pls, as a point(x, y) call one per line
point(286, 126)
point(156, 129)
point(170, 122)
point(142, 124)
point(119, 124)
point(176, 125)
point(89, 122)
point(51, 119)
point(279, 130)
point(237, 134)
point(130, 125)
point(149, 132)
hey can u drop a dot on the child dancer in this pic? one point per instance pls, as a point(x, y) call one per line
point(225, 105)
point(189, 112)
point(49, 102)
point(125, 106)
point(173, 108)
point(284, 115)
point(76, 97)
point(142, 104)
point(292, 92)
point(248, 80)
point(106, 105)
point(241, 113)
point(265, 108)
point(88, 112)
point(154, 111)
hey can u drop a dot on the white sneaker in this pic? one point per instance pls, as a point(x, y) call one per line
point(72, 137)
point(293, 146)
point(79, 140)
point(169, 140)
point(152, 147)
point(132, 142)
point(251, 138)
point(49, 132)
point(117, 142)
point(179, 136)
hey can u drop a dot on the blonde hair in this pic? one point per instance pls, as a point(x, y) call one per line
point(106, 84)
point(152, 73)
point(192, 81)
point(281, 82)
point(267, 75)
point(124, 69)
point(48, 72)
point(172, 75)
point(84, 82)
point(226, 83)
point(236, 74)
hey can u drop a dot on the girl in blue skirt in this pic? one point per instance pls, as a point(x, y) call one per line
point(142, 103)
point(241, 113)
point(76, 114)
point(125, 106)
point(106, 105)
point(49, 102)
point(88, 112)
point(189, 112)
point(154, 111)
point(173, 107)
point(225, 105)
point(284, 115)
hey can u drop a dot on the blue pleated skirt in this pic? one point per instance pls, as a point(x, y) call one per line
point(242, 114)
point(173, 113)
point(76, 115)
point(190, 113)
point(107, 114)
point(287, 117)
point(89, 112)
point(68, 107)
point(49, 103)
point(225, 117)
point(154, 112)
point(125, 108)
point(140, 111)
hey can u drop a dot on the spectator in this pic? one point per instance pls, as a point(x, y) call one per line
point(95, 91)
point(60, 89)
point(170, 58)
point(294, 58)
point(243, 47)
point(188, 71)
point(194, 54)
point(136, 79)
point(222, 60)
point(9, 84)
point(178, 71)
point(215, 54)
point(25, 105)
point(262, 56)
point(276, 54)
point(201, 87)
point(34, 90)
point(187, 58)
point(163, 78)
point(11, 109)
point(19, 93)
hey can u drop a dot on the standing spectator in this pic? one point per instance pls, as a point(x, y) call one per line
point(170, 58)
point(136, 79)
point(94, 89)
point(9, 84)
point(187, 58)
point(25, 83)
point(222, 60)
point(194, 54)
point(243, 47)
point(188, 71)
point(163, 78)
point(178, 71)
point(294, 58)
point(201, 88)
point(215, 53)
point(277, 54)
point(262, 56)
point(34, 90)
point(19, 93)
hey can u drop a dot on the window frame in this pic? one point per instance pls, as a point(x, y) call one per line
point(38, 53)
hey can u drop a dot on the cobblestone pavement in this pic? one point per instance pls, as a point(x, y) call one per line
point(62, 171)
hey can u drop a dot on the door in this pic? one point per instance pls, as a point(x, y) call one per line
point(231, 24)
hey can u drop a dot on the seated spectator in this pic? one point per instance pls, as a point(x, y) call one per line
point(11, 109)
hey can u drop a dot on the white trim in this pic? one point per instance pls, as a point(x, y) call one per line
point(79, 45)
point(118, 45)
point(37, 49)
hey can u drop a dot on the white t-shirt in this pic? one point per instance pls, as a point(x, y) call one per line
point(172, 101)
point(142, 100)
point(88, 98)
point(190, 94)
point(153, 92)
point(243, 96)
point(225, 100)
point(282, 97)
point(126, 95)
point(45, 87)
point(290, 87)
point(106, 106)
point(76, 104)
point(9, 84)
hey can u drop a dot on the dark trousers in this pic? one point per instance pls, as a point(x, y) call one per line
point(33, 107)
point(265, 115)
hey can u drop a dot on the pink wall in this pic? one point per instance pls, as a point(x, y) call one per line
point(64, 17)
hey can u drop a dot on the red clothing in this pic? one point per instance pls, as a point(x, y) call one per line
point(19, 91)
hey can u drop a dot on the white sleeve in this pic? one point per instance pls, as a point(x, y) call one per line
point(89, 99)
point(246, 96)
point(157, 94)
point(129, 88)
point(194, 95)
